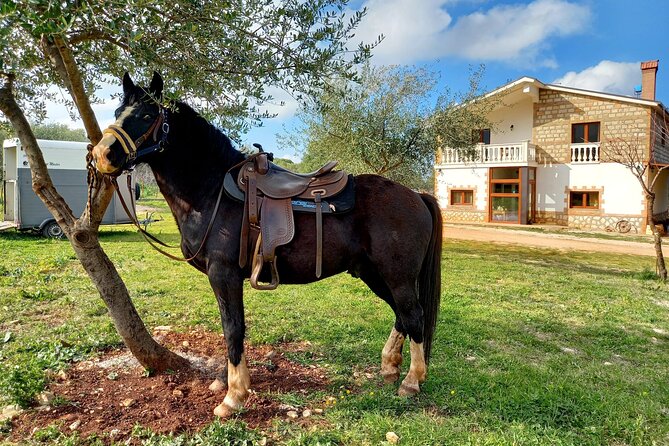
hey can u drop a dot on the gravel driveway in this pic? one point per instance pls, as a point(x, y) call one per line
point(548, 240)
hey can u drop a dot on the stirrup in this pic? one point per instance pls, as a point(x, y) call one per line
point(258, 264)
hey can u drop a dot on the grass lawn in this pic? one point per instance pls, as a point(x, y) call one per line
point(533, 346)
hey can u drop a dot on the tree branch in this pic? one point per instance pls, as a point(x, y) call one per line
point(41, 180)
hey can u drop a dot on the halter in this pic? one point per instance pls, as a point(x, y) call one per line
point(130, 146)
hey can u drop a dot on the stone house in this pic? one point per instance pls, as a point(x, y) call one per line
point(545, 160)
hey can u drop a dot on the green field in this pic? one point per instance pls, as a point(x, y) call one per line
point(533, 346)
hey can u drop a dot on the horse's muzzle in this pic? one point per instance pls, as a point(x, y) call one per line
point(102, 154)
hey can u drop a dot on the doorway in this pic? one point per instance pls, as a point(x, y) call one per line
point(505, 195)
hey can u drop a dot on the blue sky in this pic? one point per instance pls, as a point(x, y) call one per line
point(595, 45)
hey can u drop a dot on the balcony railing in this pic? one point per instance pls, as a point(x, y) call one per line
point(511, 153)
point(585, 153)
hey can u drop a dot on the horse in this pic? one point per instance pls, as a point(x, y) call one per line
point(390, 239)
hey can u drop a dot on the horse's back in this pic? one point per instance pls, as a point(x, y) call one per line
point(389, 223)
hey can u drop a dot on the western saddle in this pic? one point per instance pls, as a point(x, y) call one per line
point(270, 194)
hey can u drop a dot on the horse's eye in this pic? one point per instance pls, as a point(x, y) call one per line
point(147, 117)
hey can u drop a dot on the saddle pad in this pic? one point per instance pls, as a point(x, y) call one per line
point(342, 202)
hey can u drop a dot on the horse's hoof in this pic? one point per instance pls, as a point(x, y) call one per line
point(223, 411)
point(408, 389)
point(390, 378)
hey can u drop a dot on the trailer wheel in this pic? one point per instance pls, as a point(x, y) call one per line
point(52, 230)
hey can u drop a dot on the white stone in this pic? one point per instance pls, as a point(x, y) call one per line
point(217, 386)
point(392, 437)
point(45, 398)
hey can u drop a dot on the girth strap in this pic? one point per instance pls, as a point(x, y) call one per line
point(319, 235)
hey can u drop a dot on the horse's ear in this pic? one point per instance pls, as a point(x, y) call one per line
point(128, 84)
point(156, 87)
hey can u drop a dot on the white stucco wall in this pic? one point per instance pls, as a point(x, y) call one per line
point(662, 192)
point(463, 178)
point(622, 192)
point(520, 116)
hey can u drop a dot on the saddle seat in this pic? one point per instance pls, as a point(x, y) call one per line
point(268, 210)
point(276, 182)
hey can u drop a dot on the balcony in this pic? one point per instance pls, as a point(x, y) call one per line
point(585, 153)
point(516, 154)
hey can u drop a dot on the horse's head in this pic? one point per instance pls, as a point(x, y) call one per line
point(138, 129)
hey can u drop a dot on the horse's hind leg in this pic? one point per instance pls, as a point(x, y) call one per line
point(411, 315)
point(391, 355)
point(229, 296)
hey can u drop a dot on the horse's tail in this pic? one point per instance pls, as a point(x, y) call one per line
point(429, 285)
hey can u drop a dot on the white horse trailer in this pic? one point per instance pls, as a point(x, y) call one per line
point(66, 162)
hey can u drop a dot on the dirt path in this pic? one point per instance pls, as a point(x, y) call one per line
point(543, 240)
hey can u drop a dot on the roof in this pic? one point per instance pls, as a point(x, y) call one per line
point(526, 81)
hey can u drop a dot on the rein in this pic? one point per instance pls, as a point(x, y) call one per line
point(130, 147)
point(154, 241)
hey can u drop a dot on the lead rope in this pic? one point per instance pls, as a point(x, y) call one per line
point(92, 180)
point(151, 239)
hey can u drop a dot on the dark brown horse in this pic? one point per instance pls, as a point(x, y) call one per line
point(391, 239)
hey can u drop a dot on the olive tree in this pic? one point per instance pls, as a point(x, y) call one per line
point(221, 54)
point(389, 123)
point(632, 152)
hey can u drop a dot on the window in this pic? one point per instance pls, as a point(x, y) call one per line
point(462, 197)
point(584, 199)
point(481, 136)
point(484, 136)
point(587, 132)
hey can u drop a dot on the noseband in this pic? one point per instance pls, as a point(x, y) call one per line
point(130, 146)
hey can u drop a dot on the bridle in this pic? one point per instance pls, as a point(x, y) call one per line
point(130, 146)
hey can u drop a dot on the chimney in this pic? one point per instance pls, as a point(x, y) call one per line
point(648, 75)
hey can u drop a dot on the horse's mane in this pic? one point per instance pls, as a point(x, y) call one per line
point(206, 136)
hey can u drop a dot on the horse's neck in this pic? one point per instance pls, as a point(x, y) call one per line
point(190, 175)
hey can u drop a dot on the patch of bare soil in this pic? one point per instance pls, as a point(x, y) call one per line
point(111, 394)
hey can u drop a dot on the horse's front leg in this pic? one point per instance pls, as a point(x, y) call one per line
point(227, 286)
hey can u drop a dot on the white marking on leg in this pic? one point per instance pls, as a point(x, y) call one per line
point(417, 371)
point(239, 383)
point(391, 357)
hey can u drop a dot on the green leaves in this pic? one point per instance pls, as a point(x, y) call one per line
point(380, 125)
point(216, 53)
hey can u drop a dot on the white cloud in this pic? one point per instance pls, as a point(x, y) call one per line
point(411, 29)
point(104, 111)
point(422, 30)
point(607, 76)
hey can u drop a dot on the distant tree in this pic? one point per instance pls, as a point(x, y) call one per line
point(390, 124)
point(630, 151)
point(287, 163)
point(221, 54)
point(58, 132)
point(5, 132)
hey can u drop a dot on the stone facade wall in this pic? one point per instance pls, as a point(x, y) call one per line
point(556, 111)
point(660, 137)
point(588, 222)
point(463, 216)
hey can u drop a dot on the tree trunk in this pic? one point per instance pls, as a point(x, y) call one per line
point(660, 265)
point(84, 240)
